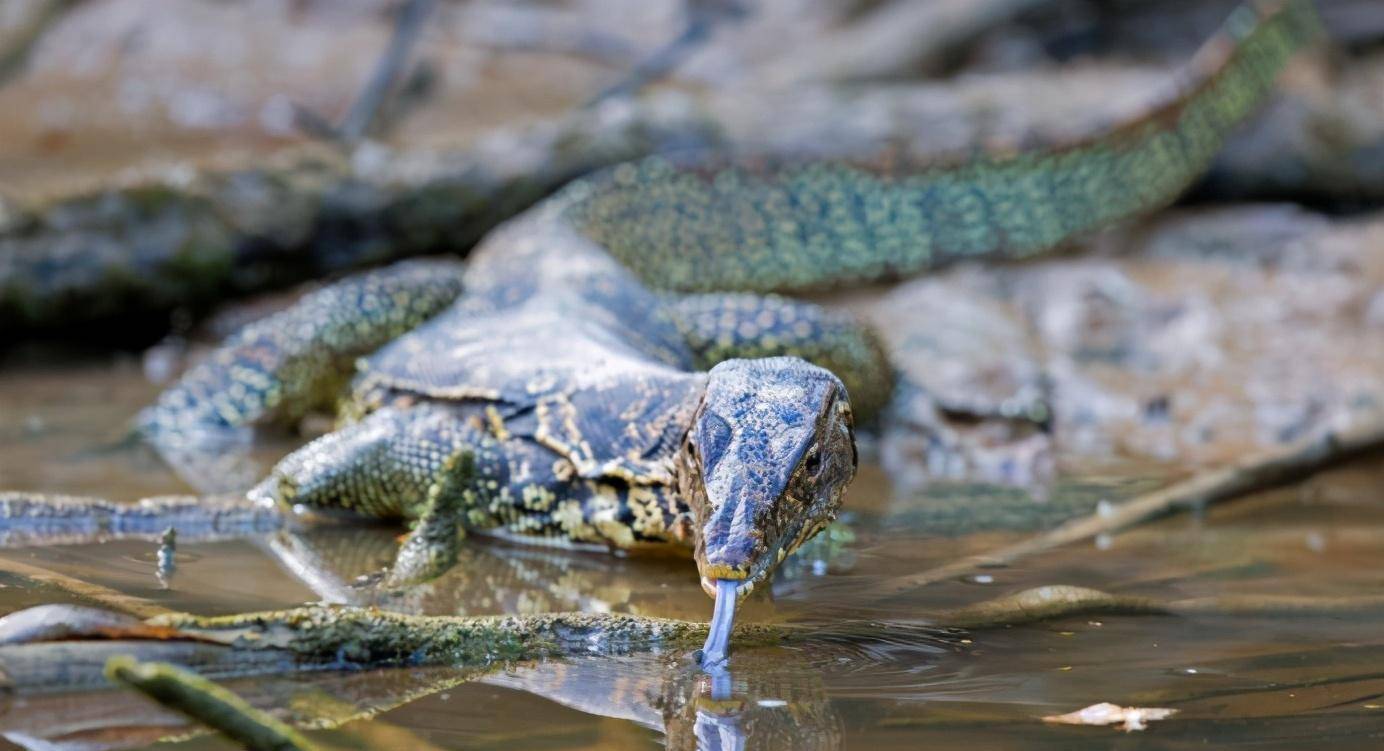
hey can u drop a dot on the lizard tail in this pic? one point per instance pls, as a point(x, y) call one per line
point(783, 225)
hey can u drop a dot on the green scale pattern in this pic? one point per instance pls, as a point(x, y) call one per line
point(288, 363)
point(789, 226)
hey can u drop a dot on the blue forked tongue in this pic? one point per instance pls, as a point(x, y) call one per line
point(718, 639)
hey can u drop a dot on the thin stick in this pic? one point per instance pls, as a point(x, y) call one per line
point(216, 707)
point(408, 27)
point(136, 606)
point(703, 17)
point(15, 55)
point(658, 64)
point(1264, 471)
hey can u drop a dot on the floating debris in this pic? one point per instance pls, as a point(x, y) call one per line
point(1105, 713)
point(167, 565)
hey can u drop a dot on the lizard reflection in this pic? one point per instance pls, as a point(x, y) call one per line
point(341, 565)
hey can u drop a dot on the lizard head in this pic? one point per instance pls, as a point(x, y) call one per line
point(765, 465)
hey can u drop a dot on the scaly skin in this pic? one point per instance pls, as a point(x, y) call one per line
point(283, 366)
point(549, 462)
point(791, 226)
point(720, 326)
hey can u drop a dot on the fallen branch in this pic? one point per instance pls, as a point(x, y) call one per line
point(1264, 471)
point(204, 701)
point(114, 260)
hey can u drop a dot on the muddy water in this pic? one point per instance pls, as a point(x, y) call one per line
point(1252, 682)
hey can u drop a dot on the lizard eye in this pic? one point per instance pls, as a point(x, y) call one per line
point(813, 462)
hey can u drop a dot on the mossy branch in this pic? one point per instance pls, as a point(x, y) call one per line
point(207, 703)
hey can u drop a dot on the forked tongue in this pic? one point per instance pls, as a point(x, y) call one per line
point(718, 639)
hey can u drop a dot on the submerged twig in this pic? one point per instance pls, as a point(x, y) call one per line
point(1044, 603)
point(204, 701)
point(1264, 471)
point(95, 593)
